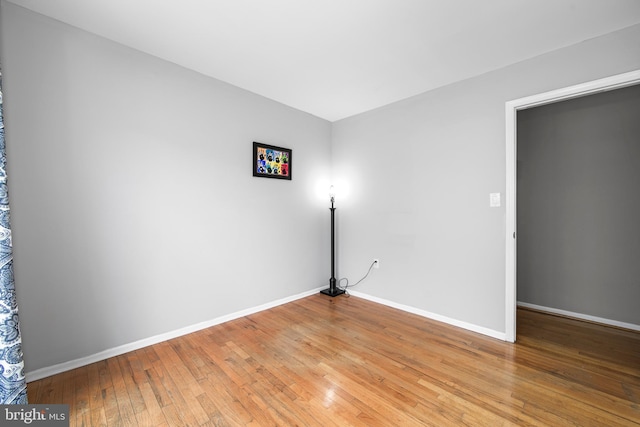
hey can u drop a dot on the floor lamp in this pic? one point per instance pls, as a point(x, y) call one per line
point(333, 290)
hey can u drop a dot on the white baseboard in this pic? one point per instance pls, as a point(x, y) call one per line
point(116, 351)
point(460, 324)
point(581, 316)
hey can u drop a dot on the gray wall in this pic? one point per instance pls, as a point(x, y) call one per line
point(419, 173)
point(134, 211)
point(579, 205)
point(127, 223)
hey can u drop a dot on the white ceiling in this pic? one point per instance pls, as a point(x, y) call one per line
point(337, 58)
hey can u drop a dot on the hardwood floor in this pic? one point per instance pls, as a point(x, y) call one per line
point(320, 361)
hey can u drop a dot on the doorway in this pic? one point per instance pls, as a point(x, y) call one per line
point(512, 108)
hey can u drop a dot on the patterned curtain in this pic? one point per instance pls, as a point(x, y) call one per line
point(13, 385)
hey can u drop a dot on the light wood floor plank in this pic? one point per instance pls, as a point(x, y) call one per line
point(323, 361)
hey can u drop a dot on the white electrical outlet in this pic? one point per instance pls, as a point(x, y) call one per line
point(376, 263)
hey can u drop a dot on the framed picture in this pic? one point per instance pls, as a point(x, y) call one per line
point(270, 161)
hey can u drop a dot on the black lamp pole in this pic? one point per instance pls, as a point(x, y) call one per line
point(333, 289)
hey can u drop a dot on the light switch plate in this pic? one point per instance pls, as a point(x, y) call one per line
point(494, 200)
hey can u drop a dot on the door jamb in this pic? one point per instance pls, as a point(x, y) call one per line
point(511, 108)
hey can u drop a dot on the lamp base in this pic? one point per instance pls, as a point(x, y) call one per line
point(332, 293)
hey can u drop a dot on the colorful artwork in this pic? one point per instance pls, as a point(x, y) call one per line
point(270, 161)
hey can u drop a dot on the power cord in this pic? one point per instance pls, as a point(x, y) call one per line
point(346, 287)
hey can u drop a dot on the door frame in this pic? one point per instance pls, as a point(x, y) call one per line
point(511, 108)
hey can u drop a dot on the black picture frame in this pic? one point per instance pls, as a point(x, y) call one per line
point(270, 161)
